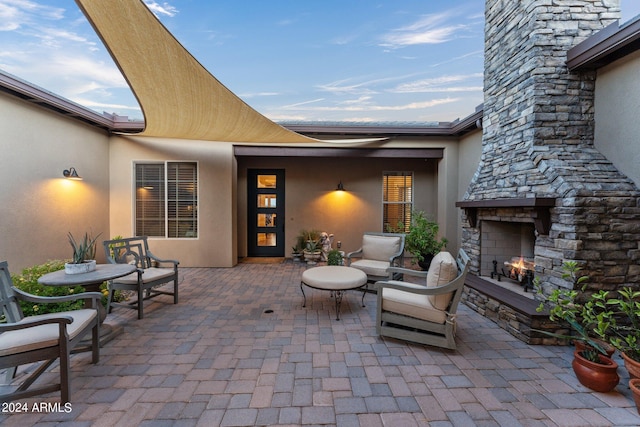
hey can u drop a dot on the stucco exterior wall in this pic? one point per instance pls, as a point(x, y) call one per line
point(215, 245)
point(617, 103)
point(469, 152)
point(38, 206)
point(312, 202)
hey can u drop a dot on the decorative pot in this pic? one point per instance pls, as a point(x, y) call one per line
point(312, 257)
point(426, 261)
point(633, 367)
point(581, 345)
point(83, 267)
point(634, 385)
point(602, 377)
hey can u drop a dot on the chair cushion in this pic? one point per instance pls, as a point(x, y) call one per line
point(372, 267)
point(442, 270)
point(412, 305)
point(42, 336)
point(379, 248)
point(149, 275)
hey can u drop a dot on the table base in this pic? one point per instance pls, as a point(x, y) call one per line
point(335, 294)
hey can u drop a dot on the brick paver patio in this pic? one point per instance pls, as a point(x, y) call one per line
point(240, 350)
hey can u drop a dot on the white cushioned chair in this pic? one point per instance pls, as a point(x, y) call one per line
point(423, 313)
point(378, 252)
point(42, 338)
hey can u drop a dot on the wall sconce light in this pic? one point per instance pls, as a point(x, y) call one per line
point(340, 186)
point(71, 173)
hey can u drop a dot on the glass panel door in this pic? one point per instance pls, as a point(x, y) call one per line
point(265, 212)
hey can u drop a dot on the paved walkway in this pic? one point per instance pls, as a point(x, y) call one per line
point(239, 350)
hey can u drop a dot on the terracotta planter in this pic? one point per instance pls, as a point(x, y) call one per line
point(602, 377)
point(580, 345)
point(633, 367)
point(634, 385)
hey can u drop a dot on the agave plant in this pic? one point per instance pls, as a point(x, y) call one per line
point(84, 249)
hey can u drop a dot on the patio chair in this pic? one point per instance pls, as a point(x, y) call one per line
point(420, 313)
point(146, 281)
point(378, 252)
point(42, 338)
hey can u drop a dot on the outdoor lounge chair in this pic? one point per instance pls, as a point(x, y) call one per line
point(42, 338)
point(145, 282)
point(378, 252)
point(424, 314)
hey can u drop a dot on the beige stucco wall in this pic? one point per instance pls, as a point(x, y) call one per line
point(469, 152)
point(215, 245)
point(38, 206)
point(312, 202)
point(617, 105)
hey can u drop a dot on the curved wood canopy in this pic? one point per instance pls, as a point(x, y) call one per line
point(178, 96)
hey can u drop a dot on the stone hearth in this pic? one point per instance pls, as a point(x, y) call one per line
point(539, 164)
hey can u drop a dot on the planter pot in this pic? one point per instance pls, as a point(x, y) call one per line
point(426, 262)
point(312, 256)
point(84, 267)
point(634, 385)
point(633, 367)
point(602, 377)
point(580, 345)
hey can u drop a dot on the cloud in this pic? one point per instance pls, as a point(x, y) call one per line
point(439, 84)
point(15, 14)
point(369, 107)
point(161, 9)
point(429, 29)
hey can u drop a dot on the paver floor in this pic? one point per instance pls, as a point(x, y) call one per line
point(240, 350)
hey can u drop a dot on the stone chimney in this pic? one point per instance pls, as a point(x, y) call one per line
point(538, 150)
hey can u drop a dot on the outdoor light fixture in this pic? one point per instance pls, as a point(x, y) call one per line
point(340, 186)
point(71, 173)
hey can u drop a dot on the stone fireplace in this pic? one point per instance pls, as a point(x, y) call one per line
point(541, 183)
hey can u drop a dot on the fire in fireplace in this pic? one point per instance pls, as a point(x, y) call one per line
point(518, 269)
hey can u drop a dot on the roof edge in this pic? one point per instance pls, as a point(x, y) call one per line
point(606, 46)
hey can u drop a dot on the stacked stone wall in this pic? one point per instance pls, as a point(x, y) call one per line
point(538, 134)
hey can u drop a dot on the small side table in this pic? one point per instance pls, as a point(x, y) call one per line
point(334, 278)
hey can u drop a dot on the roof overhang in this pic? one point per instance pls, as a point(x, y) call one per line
point(604, 47)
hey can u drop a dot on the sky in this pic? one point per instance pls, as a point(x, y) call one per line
point(291, 60)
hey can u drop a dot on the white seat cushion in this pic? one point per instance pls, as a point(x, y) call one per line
point(42, 336)
point(334, 278)
point(379, 248)
point(371, 267)
point(149, 275)
point(442, 270)
point(412, 305)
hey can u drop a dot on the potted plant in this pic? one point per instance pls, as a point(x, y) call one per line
point(422, 239)
point(619, 322)
point(334, 257)
point(84, 254)
point(312, 248)
point(592, 363)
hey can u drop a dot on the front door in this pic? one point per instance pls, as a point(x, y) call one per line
point(265, 214)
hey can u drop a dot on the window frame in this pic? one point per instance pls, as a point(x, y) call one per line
point(167, 216)
point(408, 213)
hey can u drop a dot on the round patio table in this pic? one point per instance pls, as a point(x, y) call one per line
point(91, 282)
point(334, 278)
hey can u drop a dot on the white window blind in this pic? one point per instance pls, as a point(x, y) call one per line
point(397, 201)
point(166, 199)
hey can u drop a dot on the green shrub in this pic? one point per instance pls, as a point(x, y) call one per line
point(28, 282)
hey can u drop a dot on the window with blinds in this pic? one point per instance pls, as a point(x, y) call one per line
point(166, 199)
point(397, 201)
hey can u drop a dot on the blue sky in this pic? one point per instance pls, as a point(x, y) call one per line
point(292, 60)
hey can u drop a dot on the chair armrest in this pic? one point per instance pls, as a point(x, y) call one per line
point(356, 254)
point(26, 323)
point(408, 271)
point(420, 289)
point(95, 296)
point(155, 258)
